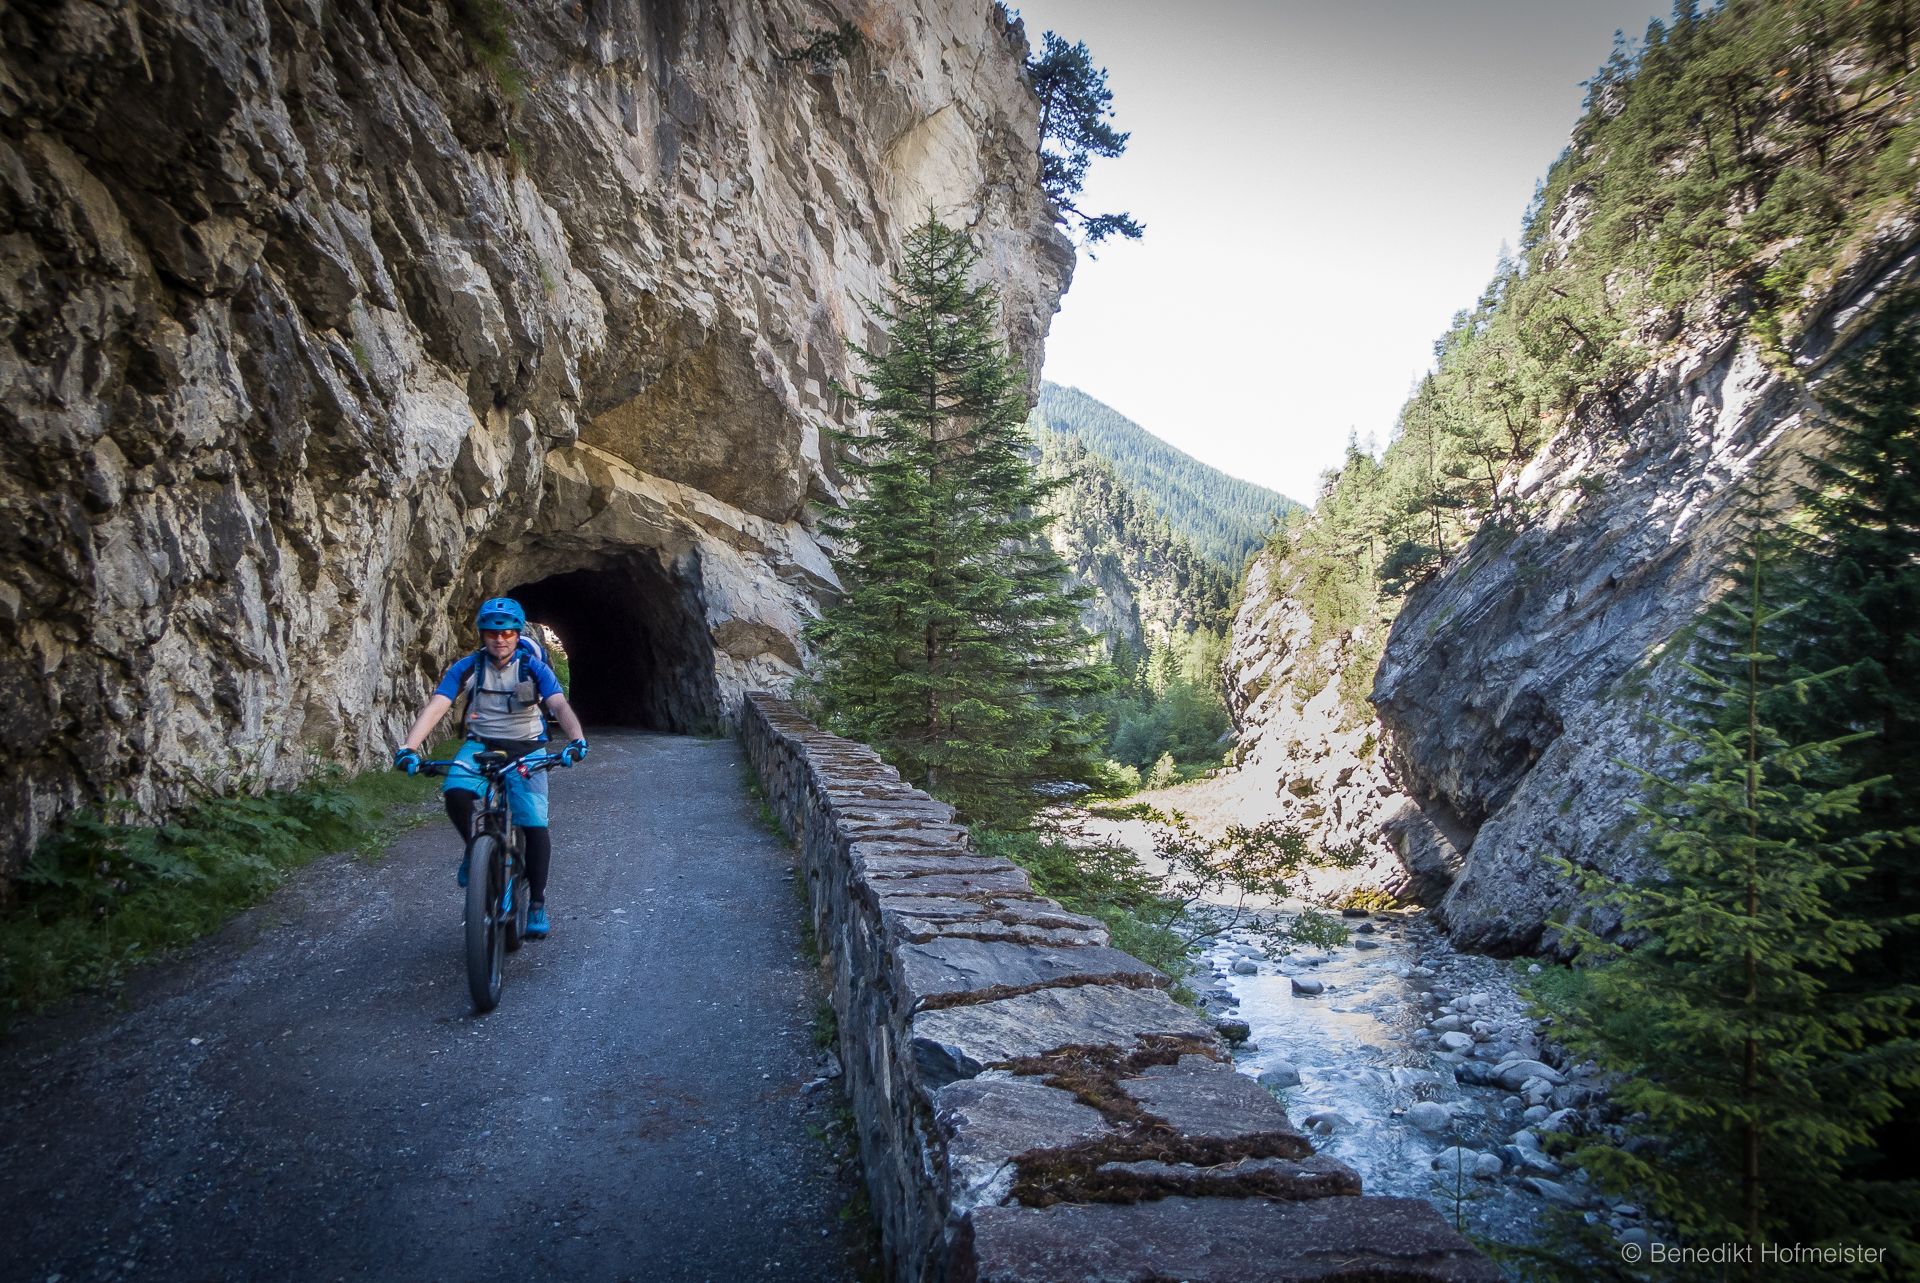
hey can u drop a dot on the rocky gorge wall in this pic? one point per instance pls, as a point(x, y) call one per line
point(321, 320)
point(1304, 755)
point(1029, 1103)
point(1516, 682)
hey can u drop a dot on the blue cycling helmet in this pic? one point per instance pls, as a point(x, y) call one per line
point(501, 612)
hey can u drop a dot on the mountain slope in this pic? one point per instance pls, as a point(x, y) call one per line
point(1225, 518)
point(1150, 583)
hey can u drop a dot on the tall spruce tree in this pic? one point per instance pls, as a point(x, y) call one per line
point(1751, 1080)
point(956, 649)
point(1859, 558)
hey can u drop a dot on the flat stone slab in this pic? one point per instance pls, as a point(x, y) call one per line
point(921, 929)
point(877, 860)
point(1010, 881)
point(959, 1042)
point(943, 972)
point(1217, 1240)
point(987, 1123)
point(1216, 1104)
point(1315, 1176)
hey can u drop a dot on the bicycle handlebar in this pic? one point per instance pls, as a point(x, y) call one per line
point(538, 760)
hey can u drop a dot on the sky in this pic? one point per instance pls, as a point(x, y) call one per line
point(1324, 184)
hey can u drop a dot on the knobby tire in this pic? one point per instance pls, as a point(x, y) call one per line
point(486, 938)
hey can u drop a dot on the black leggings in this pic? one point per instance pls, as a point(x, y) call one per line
point(539, 842)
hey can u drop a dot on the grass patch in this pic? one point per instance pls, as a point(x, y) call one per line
point(825, 1026)
point(769, 819)
point(1555, 990)
point(1371, 899)
point(102, 895)
point(1100, 881)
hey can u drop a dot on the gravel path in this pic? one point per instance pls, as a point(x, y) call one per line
point(309, 1096)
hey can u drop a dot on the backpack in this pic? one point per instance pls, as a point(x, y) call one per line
point(526, 691)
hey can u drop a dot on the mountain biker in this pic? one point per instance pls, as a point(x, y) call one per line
point(507, 684)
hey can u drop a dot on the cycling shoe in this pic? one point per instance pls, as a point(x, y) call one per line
point(536, 922)
point(463, 869)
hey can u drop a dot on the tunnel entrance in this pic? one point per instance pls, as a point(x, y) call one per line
point(636, 641)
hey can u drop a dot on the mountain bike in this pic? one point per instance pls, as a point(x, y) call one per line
point(497, 891)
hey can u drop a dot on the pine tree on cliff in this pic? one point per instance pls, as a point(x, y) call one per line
point(1752, 1079)
point(956, 649)
point(1074, 106)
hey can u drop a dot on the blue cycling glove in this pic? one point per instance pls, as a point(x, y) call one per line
point(575, 751)
point(406, 759)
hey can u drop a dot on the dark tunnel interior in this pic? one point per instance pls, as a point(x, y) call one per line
point(636, 642)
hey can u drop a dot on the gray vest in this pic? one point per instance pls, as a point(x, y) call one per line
point(502, 707)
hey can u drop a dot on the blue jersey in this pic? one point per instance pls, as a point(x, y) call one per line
point(503, 700)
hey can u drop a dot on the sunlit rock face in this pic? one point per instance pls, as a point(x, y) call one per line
point(321, 322)
point(1305, 754)
point(1520, 683)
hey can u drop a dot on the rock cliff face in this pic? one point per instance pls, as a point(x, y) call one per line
point(320, 321)
point(1516, 681)
point(1303, 754)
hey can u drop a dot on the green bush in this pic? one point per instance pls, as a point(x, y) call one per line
point(101, 895)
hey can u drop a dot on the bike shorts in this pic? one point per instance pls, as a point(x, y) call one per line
point(526, 796)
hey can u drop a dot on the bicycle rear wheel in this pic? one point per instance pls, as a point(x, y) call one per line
point(486, 934)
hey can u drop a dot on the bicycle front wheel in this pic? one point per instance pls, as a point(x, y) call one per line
point(486, 934)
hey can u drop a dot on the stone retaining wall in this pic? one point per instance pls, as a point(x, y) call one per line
point(1031, 1105)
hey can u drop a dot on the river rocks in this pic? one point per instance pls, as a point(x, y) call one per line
point(1307, 986)
point(1429, 1116)
point(1245, 967)
point(1553, 1191)
point(1233, 1029)
point(1457, 1043)
point(1515, 1074)
point(1280, 1075)
point(1326, 1121)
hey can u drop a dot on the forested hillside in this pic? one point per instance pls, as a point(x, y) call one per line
point(1162, 604)
point(1224, 517)
point(1721, 170)
point(1153, 582)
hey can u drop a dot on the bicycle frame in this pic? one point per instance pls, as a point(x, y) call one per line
point(497, 892)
